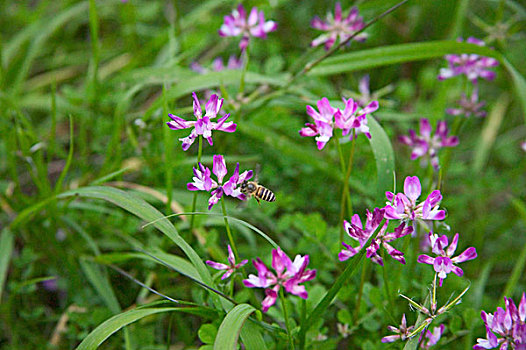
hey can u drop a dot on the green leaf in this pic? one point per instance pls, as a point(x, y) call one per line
point(146, 212)
point(6, 249)
point(112, 325)
point(394, 54)
point(251, 336)
point(207, 333)
point(384, 156)
point(230, 328)
point(489, 132)
point(101, 284)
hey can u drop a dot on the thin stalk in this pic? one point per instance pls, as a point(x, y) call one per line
point(360, 292)
point(345, 187)
point(286, 316)
point(168, 161)
point(386, 283)
point(243, 72)
point(194, 200)
point(348, 174)
point(228, 232)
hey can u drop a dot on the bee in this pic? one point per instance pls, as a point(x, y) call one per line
point(254, 189)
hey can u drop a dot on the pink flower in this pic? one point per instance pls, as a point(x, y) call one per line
point(202, 181)
point(338, 27)
point(523, 146)
point(323, 122)
point(472, 65)
point(444, 263)
point(432, 338)
point(328, 118)
point(356, 231)
point(403, 206)
point(237, 24)
point(230, 268)
point(469, 106)
point(427, 145)
point(401, 333)
point(203, 125)
point(509, 324)
point(289, 275)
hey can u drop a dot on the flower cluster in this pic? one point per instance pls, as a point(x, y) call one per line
point(509, 325)
point(328, 117)
point(230, 268)
point(361, 233)
point(443, 263)
point(472, 65)
point(403, 206)
point(338, 27)
point(426, 144)
point(237, 24)
point(289, 275)
point(203, 125)
point(469, 106)
point(202, 181)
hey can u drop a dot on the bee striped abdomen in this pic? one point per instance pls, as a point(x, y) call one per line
point(265, 194)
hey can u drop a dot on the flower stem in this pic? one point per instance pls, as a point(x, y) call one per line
point(194, 200)
point(286, 316)
point(346, 172)
point(386, 283)
point(228, 232)
point(243, 72)
point(360, 292)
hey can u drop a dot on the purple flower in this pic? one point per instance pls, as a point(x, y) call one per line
point(230, 268)
point(443, 263)
point(289, 275)
point(509, 324)
point(427, 144)
point(402, 332)
point(323, 122)
point(202, 181)
point(328, 117)
point(237, 24)
point(472, 65)
point(203, 125)
point(353, 118)
point(403, 206)
point(523, 146)
point(360, 233)
point(218, 65)
point(469, 106)
point(432, 338)
point(337, 26)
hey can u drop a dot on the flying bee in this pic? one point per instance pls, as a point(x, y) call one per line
point(254, 189)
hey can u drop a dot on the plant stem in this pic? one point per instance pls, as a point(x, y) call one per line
point(360, 291)
point(348, 174)
point(228, 232)
point(243, 72)
point(386, 283)
point(344, 188)
point(194, 200)
point(286, 316)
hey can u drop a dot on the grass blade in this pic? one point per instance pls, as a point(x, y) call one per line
point(6, 250)
point(230, 328)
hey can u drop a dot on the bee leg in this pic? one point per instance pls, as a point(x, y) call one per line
point(259, 203)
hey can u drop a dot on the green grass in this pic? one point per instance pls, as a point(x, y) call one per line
point(89, 170)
